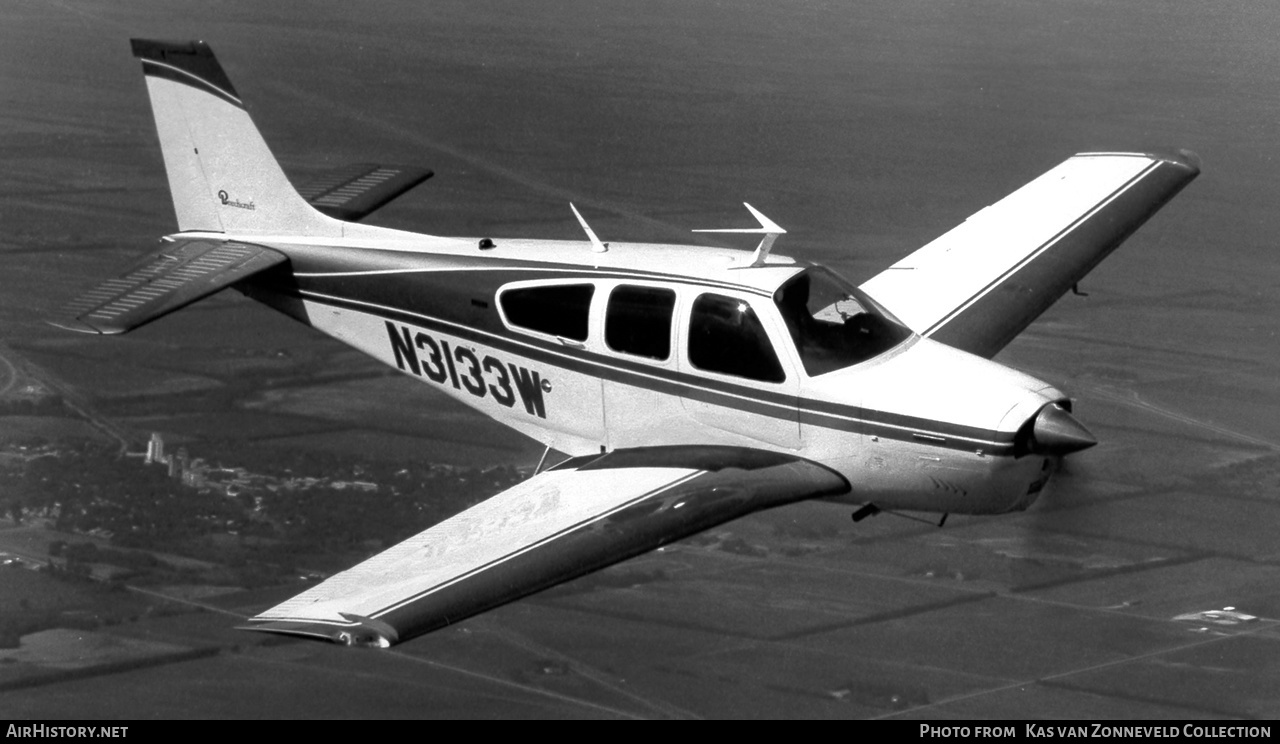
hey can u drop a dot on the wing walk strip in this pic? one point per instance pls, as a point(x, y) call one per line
point(1042, 248)
point(544, 541)
point(811, 411)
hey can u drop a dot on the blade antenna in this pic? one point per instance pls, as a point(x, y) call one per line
point(596, 245)
point(768, 228)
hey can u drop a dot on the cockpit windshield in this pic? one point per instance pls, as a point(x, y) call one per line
point(834, 324)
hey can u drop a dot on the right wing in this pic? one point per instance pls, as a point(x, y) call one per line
point(575, 518)
point(977, 286)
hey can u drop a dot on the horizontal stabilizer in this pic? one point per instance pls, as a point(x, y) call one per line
point(178, 274)
point(353, 192)
point(580, 516)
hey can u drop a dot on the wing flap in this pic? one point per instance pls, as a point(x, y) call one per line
point(982, 283)
point(165, 280)
point(353, 192)
point(563, 523)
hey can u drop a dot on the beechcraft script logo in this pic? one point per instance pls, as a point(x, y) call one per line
point(227, 201)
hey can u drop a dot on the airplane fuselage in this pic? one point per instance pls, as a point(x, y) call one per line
point(920, 427)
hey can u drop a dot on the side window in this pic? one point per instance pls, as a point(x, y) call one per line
point(559, 310)
point(725, 336)
point(638, 321)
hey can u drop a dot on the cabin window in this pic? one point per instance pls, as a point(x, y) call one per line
point(725, 336)
point(557, 310)
point(833, 324)
point(638, 321)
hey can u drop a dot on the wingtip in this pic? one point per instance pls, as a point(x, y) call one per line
point(1179, 156)
point(1176, 156)
point(1190, 159)
point(358, 631)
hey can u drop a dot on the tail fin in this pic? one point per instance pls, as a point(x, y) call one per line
point(222, 175)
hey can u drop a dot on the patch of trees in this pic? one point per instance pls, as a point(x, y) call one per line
point(45, 405)
point(278, 523)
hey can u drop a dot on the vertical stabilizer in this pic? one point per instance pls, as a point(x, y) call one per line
point(222, 175)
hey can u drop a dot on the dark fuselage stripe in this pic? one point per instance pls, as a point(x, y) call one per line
point(565, 272)
point(546, 351)
point(777, 405)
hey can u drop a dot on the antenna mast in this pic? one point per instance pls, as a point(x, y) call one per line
point(768, 228)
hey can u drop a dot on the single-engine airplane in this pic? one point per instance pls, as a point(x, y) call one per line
point(687, 385)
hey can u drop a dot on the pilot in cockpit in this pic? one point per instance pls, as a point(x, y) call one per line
point(832, 324)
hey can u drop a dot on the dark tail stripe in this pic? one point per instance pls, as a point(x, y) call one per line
point(152, 68)
point(188, 62)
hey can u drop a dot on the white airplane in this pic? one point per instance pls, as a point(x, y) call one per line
point(688, 385)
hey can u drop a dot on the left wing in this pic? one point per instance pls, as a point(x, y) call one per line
point(580, 516)
point(977, 287)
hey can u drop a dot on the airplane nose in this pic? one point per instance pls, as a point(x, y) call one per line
point(1056, 432)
